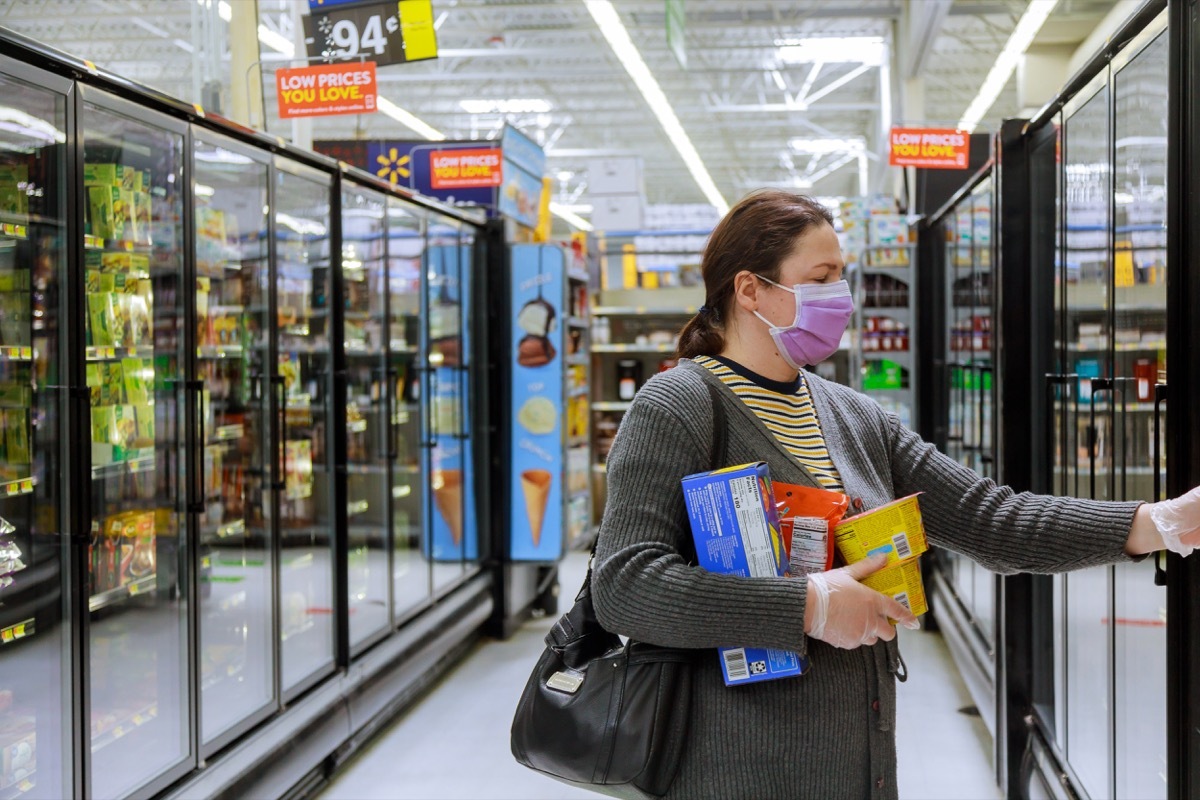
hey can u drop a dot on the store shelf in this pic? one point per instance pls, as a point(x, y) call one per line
point(143, 460)
point(634, 348)
point(133, 589)
point(606, 405)
point(577, 322)
point(1122, 347)
point(96, 243)
point(220, 351)
point(227, 530)
point(127, 726)
point(17, 487)
point(17, 631)
point(617, 311)
point(14, 230)
point(115, 353)
point(16, 354)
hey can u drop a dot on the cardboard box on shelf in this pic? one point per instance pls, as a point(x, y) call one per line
point(736, 529)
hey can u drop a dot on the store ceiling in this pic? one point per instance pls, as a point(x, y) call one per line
point(732, 97)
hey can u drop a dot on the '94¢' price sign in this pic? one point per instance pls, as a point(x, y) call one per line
point(374, 32)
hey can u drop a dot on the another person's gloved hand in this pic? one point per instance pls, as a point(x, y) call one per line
point(1178, 521)
point(844, 613)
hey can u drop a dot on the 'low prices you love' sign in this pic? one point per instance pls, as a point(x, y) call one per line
point(930, 148)
point(326, 90)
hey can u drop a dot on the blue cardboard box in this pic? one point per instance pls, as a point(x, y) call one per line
point(736, 529)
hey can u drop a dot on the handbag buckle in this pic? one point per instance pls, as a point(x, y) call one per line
point(568, 682)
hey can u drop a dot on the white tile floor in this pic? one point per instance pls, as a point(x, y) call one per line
point(453, 744)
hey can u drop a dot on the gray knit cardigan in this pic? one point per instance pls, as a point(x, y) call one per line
point(828, 733)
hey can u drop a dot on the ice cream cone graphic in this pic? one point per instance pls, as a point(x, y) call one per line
point(447, 494)
point(536, 485)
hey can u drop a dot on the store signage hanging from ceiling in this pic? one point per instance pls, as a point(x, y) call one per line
point(386, 33)
point(465, 168)
point(325, 90)
point(929, 148)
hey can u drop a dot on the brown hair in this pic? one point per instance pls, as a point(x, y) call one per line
point(756, 235)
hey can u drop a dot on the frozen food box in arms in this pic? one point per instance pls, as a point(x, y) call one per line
point(895, 529)
point(736, 530)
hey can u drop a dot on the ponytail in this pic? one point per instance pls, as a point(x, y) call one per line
point(702, 336)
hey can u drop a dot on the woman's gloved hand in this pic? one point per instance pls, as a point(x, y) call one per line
point(1178, 521)
point(842, 612)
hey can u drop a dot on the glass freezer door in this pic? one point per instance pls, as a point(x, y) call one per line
point(138, 670)
point(411, 587)
point(444, 401)
point(369, 440)
point(237, 674)
point(300, 394)
point(35, 754)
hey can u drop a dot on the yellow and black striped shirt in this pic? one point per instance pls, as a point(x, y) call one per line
point(787, 411)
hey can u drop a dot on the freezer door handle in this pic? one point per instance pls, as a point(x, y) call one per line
point(1160, 394)
point(196, 484)
point(1099, 386)
point(280, 386)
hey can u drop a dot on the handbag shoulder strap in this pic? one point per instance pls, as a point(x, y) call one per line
point(716, 460)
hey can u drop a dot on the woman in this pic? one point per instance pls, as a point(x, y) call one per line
point(776, 302)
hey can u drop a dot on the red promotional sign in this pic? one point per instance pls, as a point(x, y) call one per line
point(465, 168)
point(326, 90)
point(930, 148)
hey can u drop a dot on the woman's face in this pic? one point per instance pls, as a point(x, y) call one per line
point(815, 258)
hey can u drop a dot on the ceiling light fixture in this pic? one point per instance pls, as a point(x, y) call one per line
point(618, 39)
point(833, 50)
point(570, 217)
point(408, 120)
point(1022, 36)
point(512, 106)
point(276, 41)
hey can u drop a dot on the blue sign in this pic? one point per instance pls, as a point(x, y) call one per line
point(408, 164)
point(524, 166)
point(321, 5)
point(537, 518)
point(452, 522)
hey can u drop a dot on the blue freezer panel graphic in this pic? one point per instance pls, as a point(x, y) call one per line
point(536, 520)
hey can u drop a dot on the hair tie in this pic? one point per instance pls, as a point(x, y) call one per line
point(712, 312)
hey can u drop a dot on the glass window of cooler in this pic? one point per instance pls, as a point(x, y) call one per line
point(983, 602)
point(1046, 177)
point(34, 648)
point(446, 542)
point(300, 390)
point(135, 358)
point(958, 262)
point(473, 549)
point(1139, 274)
point(369, 442)
point(237, 674)
point(1085, 624)
point(411, 578)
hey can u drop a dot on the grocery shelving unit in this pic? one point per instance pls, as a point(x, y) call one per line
point(650, 287)
point(881, 269)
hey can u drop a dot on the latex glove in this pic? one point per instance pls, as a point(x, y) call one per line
point(847, 614)
point(1178, 522)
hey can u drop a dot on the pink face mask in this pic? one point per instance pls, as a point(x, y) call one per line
point(822, 312)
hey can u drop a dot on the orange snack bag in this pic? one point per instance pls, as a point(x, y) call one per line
point(800, 509)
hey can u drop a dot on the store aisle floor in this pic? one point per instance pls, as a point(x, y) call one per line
point(453, 744)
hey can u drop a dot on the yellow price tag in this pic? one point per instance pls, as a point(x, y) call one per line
point(199, 110)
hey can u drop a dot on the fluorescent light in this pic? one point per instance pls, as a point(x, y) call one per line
point(221, 156)
point(826, 146)
point(225, 10)
point(570, 217)
point(146, 26)
point(514, 106)
point(304, 227)
point(833, 50)
point(1027, 28)
point(275, 41)
point(408, 120)
point(204, 191)
point(618, 39)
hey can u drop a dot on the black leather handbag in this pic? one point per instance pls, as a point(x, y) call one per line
point(605, 715)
